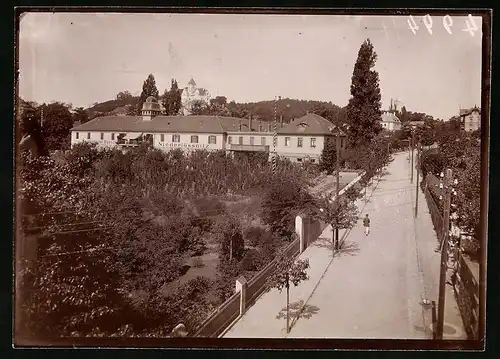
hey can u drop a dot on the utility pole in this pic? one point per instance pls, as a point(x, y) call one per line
point(416, 186)
point(444, 253)
point(337, 186)
point(412, 145)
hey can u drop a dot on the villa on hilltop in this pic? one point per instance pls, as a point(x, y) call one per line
point(190, 94)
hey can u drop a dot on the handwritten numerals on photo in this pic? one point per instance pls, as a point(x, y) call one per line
point(470, 24)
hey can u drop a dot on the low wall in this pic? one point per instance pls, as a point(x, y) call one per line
point(467, 295)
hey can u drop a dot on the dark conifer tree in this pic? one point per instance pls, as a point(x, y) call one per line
point(148, 89)
point(172, 99)
point(364, 107)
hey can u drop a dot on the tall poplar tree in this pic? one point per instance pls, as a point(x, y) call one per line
point(364, 107)
point(172, 99)
point(148, 89)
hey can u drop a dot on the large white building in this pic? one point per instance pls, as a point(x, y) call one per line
point(300, 140)
point(390, 122)
point(190, 94)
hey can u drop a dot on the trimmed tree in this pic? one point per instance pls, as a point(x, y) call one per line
point(148, 89)
point(288, 271)
point(363, 109)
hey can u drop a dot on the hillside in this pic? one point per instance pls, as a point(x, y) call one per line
point(263, 110)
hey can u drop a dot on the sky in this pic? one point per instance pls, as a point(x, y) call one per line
point(83, 58)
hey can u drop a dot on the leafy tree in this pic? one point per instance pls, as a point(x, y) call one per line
point(228, 232)
point(287, 272)
point(341, 214)
point(363, 109)
point(125, 95)
point(57, 124)
point(30, 129)
point(219, 101)
point(80, 115)
point(172, 99)
point(198, 107)
point(148, 89)
point(227, 272)
point(468, 199)
point(281, 202)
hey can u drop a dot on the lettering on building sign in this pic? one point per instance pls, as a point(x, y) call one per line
point(197, 146)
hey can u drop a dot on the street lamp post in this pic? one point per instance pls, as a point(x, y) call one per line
point(336, 131)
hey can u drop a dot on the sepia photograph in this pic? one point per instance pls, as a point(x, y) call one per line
point(251, 178)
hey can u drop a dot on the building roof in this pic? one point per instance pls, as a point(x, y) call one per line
point(310, 124)
point(468, 111)
point(194, 124)
point(390, 117)
point(191, 82)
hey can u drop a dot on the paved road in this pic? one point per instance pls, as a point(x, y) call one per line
point(372, 289)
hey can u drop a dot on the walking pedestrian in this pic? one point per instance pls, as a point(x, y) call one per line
point(366, 223)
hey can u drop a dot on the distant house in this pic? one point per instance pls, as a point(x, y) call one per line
point(191, 94)
point(390, 122)
point(470, 119)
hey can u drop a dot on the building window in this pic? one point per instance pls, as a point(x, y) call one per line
point(299, 142)
point(212, 140)
point(251, 140)
point(176, 138)
point(263, 141)
point(88, 135)
point(313, 142)
point(299, 159)
point(77, 135)
point(112, 137)
point(162, 138)
point(194, 139)
point(287, 141)
point(229, 139)
point(240, 140)
point(342, 143)
point(313, 160)
point(102, 136)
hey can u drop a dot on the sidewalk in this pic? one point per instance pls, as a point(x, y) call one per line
point(266, 318)
point(374, 287)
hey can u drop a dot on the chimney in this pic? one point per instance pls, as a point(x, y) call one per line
point(269, 127)
point(250, 123)
point(239, 126)
point(281, 121)
point(260, 126)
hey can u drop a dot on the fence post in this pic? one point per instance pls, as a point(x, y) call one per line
point(299, 229)
point(241, 287)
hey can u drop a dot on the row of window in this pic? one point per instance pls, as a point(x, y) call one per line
point(300, 141)
point(102, 136)
point(194, 139)
point(213, 139)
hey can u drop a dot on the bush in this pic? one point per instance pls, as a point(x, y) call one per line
point(252, 260)
point(198, 262)
point(432, 162)
point(209, 206)
point(255, 236)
